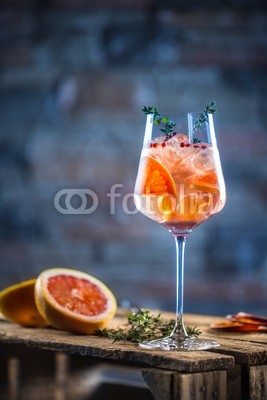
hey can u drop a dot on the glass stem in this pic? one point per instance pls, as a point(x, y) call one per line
point(179, 329)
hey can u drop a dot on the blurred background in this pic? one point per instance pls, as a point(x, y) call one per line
point(74, 75)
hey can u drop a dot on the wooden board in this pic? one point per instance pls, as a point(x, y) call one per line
point(237, 368)
point(248, 349)
point(257, 378)
point(204, 322)
point(103, 348)
point(196, 386)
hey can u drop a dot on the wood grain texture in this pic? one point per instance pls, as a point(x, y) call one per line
point(244, 352)
point(236, 369)
point(200, 386)
point(167, 385)
point(234, 383)
point(247, 349)
point(98, 347)
point(160, 383)
point(258, 382)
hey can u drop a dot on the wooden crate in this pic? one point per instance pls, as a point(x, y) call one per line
point(237, 370)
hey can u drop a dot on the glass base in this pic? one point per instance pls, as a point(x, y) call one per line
point(183, 344)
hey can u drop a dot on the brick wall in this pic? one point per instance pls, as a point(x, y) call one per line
point(73, 79)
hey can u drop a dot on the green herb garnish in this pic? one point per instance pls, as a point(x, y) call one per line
point(142, 325)
point(210, 109)
point(165, 122)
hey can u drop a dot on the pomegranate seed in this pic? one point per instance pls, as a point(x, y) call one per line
point(151, 145)
point(154, 144)
point(203, 147)
point(182, 144)
point(188, 144)
point(163, 144)
point(196, 146)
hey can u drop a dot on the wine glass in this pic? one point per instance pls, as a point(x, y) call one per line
point(179, 184)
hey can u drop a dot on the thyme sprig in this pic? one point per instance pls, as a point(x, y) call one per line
point(143, 325)
point(165, 122)
point(204, 116)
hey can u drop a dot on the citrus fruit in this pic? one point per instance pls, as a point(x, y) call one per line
point(74, 301)
point(155, 190)
point(204, 188)
point(154, 178)
point(17, 304)
point(208, 179)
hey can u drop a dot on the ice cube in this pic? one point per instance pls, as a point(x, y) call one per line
point(160, 139)
point(204, 158)
point(178, 138)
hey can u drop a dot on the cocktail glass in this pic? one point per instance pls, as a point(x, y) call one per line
point(180, 185)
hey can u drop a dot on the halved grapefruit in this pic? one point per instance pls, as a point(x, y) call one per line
point(73, 300)
point(17, 304)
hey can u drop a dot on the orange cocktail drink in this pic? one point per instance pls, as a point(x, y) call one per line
point(178, 182)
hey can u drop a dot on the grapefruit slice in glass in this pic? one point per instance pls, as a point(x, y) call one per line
point(73, 300)
point(154, 178)
point(17, 304)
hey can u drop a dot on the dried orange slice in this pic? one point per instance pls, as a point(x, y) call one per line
point(246, 318)
point(73, 300)
point(242, 322)
point(154, 178)
point(231, 326)
point(235, 326)
point(17, 304)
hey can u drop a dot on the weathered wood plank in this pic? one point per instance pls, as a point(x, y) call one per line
point(246, 348)
point(61, 375)
point(244, 352)
point(234, 383)
point(98, 347)
point(254, 338)
point(13, 377)
point(203, 322)
point(249, 378)
point(169, 385)
point(200, 386)
point(257, 382)
point(160, 383)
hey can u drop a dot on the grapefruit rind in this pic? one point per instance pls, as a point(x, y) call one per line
point(149, 167)
point(62, 318)
point(17, 305)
